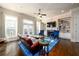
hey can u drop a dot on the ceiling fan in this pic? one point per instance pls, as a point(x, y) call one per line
point(40, 14)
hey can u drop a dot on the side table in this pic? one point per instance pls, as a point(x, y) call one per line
point(44, 43)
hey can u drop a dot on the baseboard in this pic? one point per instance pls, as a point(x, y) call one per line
point(64, 38)
point(74, 41)
point(11, 39)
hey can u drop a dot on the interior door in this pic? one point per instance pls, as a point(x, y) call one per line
point(77, 28)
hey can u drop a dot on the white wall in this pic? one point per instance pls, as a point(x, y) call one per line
point(75, 25)
point(2, 30)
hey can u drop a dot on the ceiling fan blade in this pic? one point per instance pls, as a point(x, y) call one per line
point(43, 14)
point(37, 13)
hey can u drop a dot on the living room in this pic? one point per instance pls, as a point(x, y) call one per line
point(51, 28)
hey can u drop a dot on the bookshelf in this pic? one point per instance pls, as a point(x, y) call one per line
point(64, 25)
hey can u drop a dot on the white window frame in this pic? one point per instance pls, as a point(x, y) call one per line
point(11, 17)
point(28, 22)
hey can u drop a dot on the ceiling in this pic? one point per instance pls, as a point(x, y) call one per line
point(51, 9)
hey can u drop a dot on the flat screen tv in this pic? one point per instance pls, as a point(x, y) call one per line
point(51, 24)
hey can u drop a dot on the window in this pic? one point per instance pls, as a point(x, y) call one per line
point(10, 26)
point(28, 27)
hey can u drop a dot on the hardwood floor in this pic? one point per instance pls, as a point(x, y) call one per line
point(63, 48)
point(10, 49)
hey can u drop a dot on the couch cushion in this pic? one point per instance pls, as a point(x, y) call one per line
point(28, 41)
point(35, 46)
point(25, 44)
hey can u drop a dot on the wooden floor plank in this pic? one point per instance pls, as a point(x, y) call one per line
point(63, 48)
